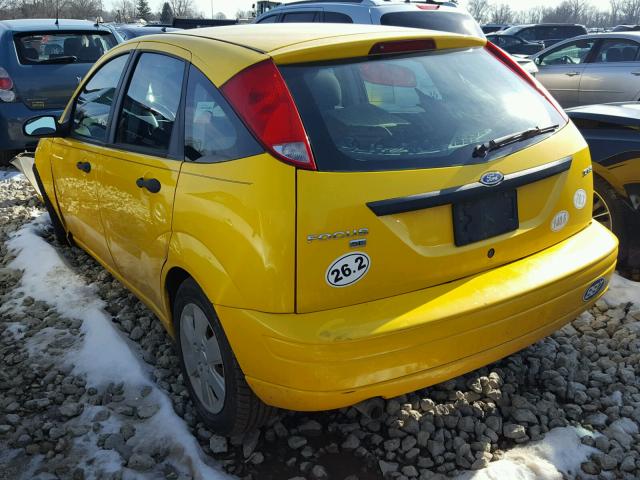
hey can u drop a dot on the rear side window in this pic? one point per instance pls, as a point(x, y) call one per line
point(336, 17)
point(213, 132)
point(419, 111)
point(269, 19)
point(151, 103)
point(300, 17)
point(62, 47)
point(456, 22)
point(93, 106)
point(617, 50)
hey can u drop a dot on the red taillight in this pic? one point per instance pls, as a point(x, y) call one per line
point(6, 87)
point(505, 58)
point(428, 7)
point(260, 96)
point(403, 46)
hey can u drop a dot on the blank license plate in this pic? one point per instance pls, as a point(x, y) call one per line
point(485, 217)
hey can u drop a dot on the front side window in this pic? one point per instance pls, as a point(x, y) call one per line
point(614, 50)
point(151, 102)
point(572, 53)
point(63, 47)
point(419, 111)
point(212, 131)
point(93, 105)
point(269, 19)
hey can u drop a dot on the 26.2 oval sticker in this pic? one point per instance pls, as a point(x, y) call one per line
point(348, 269)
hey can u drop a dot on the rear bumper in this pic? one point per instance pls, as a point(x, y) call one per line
point(336, 358)
point(12, 117)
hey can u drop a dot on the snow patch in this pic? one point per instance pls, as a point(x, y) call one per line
point(104, 354)
point(622, 290)
point(557, 456)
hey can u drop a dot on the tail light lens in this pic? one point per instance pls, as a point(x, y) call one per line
point(7, 93)
point(261, 98)
point(403, 46)
point(505, 58)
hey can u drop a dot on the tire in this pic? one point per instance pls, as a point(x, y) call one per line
point(226, 403)
point(58, 228)
point(608, 209)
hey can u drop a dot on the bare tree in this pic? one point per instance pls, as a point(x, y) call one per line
point(630, 11)
point(182, 8)
point(479, 9)
point(84, 9)
point(502, 13)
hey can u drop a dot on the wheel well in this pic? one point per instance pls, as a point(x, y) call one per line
point(175, 277)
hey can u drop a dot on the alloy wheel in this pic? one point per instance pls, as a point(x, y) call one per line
point(202, 358)
point(601, 211)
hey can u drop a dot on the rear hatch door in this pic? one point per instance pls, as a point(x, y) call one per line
point(400, 202)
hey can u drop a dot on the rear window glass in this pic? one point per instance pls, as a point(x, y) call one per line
point(419, 111)
point(63, 47)
point(433, 20)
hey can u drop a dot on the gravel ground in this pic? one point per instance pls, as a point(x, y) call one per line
point(55, 422)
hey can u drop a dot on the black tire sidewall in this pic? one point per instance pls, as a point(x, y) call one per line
point(224, 421)
point(618, 224)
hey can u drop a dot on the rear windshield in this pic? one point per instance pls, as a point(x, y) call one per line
point(420, 111)
point(62, 47)
point(455, 22)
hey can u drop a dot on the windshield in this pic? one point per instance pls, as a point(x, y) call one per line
point(419, 111)
point(456, 22)
point(63, 47)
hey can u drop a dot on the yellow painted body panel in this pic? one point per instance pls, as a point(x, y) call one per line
point(234, 230)
point(338, 357)
point(620, 174)
point(414, 250)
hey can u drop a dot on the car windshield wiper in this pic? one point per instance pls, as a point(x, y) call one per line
point(484, 148)
point(62, 59)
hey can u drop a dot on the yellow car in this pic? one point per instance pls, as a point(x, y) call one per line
point(322, 214)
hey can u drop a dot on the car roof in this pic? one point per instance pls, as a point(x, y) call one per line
point(48, 24)
point(265, 38)
point(364, 3)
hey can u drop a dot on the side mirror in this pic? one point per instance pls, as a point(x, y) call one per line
point(45, 126)
point(538, 61)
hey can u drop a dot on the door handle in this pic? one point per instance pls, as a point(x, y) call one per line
point(151, 184)
point(84, 166)
point(572, 74)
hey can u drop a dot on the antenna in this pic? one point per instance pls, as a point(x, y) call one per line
point(57, 12)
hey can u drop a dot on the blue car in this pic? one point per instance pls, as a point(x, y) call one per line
point(41, 63)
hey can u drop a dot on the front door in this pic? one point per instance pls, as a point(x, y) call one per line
point(614, 74)
point(76, 159)
point(560, 70)
point(141, 168)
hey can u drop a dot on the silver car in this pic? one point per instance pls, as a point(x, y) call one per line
point(589, 69)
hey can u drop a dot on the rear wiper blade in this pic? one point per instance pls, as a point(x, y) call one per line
point(62, 59)
point(484, 148)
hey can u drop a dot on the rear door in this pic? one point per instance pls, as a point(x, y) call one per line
point(398, 203)
point(141, 167)
point(614, 73)
point(51, 64)
point(561, 69)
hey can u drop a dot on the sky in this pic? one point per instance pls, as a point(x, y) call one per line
point(230, 7)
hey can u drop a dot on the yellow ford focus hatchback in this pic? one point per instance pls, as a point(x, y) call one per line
point(323, 214)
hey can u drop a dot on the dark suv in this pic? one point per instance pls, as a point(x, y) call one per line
point(547, 33)
point(41, 63)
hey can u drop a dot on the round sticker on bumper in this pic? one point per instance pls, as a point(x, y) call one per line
point(560, 221)
point(348, 269)
point(594, 289)
point(580, 199)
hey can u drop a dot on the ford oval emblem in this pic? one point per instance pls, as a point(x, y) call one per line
point(594, 289)
point(491, 179)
